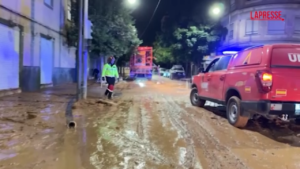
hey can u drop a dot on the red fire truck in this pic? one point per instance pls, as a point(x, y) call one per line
point(141, 63)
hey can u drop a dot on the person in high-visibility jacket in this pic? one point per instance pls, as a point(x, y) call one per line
point(110, 74)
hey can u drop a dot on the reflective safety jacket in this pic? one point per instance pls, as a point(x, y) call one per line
point(110, 71)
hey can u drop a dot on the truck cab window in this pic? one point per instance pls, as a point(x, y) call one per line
point(147, 54)
point(222, 63)
point(139, 59)
point(212, 66)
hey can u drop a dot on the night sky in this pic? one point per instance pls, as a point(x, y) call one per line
point(144, 12)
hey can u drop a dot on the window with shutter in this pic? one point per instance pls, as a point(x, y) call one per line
point(248, 27)
point(251, 27)
point(255, 26)
point(297, 25)
point(276, 27)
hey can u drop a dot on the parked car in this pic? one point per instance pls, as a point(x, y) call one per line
point(167, 73)
point(177, 72)
point(262, 80)
point(162, 71)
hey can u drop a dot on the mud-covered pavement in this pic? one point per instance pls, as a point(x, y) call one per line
point(152, 125)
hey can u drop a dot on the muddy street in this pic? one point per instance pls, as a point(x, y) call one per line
point(150, 124)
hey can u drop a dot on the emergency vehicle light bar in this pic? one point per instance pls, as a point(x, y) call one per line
point(229, 52)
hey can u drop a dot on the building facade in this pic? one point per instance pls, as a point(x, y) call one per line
point(244, 32)
point(33, 50)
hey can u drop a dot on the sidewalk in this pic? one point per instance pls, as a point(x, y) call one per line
point(42, 109)
point(26, 118)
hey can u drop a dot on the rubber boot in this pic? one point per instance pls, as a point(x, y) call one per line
point(110, 95)
point(106, 92)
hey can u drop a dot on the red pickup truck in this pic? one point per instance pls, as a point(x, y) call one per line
point(262, 80)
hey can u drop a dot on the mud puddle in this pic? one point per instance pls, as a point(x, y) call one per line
point(150, 126)
point(137, 135)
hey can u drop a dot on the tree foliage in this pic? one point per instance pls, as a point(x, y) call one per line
point(186, 35)
point(195, 41)
point(113, 28)
point(162, 52)
point(189, 43)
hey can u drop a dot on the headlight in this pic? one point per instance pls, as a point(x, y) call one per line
point(141, 84)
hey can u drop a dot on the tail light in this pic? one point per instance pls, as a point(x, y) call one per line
point(265, 81)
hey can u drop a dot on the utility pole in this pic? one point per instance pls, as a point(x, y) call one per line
point(85, 72)
point(87, 35)
point(84, 61)
point(79, 55)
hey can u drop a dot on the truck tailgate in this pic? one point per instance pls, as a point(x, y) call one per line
point(285, 67)
point(286, 85)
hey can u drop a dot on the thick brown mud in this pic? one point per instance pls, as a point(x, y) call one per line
point(150, 125)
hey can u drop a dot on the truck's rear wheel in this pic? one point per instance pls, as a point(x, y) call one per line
point(195, 100)
point(234, 113)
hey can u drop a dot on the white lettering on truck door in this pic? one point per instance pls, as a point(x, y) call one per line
point(204, 85)
point(294, 57)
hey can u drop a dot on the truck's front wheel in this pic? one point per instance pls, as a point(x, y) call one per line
point(195, 100)
point(234, 113)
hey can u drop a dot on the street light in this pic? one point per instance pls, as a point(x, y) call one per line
point(216, 10)
point(132, 2)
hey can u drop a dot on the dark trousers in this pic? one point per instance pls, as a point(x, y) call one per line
point(110, 88)
point(96, 76)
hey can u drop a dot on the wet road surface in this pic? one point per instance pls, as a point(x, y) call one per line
point(152, 126)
